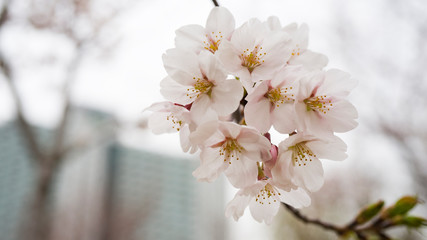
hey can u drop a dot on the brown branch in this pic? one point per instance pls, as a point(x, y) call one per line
point(25, 127)
point(327, 226)
point(376, 227)
point(215, 3)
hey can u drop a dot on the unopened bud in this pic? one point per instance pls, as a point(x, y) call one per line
point(402, 206)
point(410, 221)
point(369, 212)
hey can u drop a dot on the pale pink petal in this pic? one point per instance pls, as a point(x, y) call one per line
point(310, 60)
point(184, 136)
point(182, 65)
point(204, 134)
point(174, 92)
point(190, 37)
point(237, 206)
point(220, 20)
point(281, 171)
point(230, 129)
point(211, 67)
point(283, 118)
point(159, 124)
point(309, 175)
point(200, 106)
point(291, 28)
point(273, 23)
point(229, 57)
point(242, 173)
point(211, 165)
point(332, 148)
point(257, 114)
point(297, 198)
point(342, 116)
point(226, 96)
point(300, 37)
point(337, 83)
point(258, 92)
point(264, 212)
point(287, 76)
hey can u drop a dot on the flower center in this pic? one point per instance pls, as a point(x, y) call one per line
point(319, 103)
point(301, 154)
point(267, 194)
point(296, 51)
point(279, 96)
point(212, 41)
point(176, 123)
point(252, 59)
point(201, 86)
point(230, 149)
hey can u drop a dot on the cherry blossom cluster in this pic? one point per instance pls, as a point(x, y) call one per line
point(228, 87)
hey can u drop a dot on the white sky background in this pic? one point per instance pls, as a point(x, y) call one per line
point(126, 80)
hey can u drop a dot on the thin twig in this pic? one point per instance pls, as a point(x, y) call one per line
point(215, 3)
point(327, 226)
point(374, 227)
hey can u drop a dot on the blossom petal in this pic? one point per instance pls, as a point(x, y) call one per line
point(332, 148)
point(182, 65)
point(337, 83)
point(220, 20)
point(297, 198)
point(342, 117)
point(190, 37)
point(310, 60)
point(200, 106)
point(257, 114)
point(264, 212)
point(309, 175)
point(174, 92)
point(210, 167)
point(242, 173)
point(283, 118)
point(237, 206)
point(273, 23)
point(226, 97)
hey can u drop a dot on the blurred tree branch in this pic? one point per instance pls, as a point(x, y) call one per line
point(372, 220)
point(46, 161)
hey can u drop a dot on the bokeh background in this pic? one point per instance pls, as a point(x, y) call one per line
point(74, 148)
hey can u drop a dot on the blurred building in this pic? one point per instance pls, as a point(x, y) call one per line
point(105, 190)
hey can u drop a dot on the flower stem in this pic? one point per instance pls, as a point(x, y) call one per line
point(215, 3)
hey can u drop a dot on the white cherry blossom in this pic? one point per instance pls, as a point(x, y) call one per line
point(264, 200)
point(298, 159)
point(272, 102)
point(219, 27)
point(299, 41)
point(321, 106)
point(168, 117)
point(200, 80)
point(255, 52)
point(233, 149)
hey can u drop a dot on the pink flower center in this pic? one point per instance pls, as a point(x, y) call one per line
point(319, 103)
point(176, 123)
point(267, 194)
point(301, 154)
point(252, 59)
point(212, 41)
point(279, 96)
point(231, 149)
point(201, 86)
